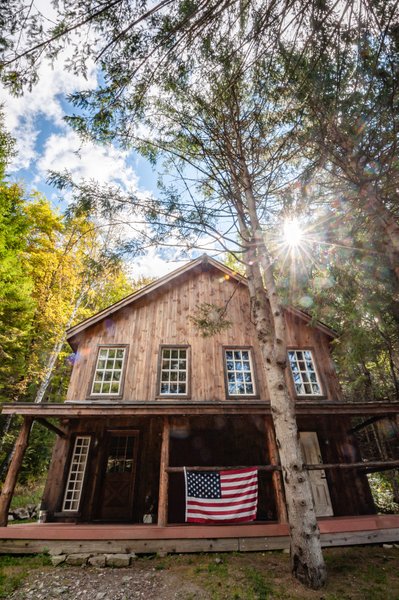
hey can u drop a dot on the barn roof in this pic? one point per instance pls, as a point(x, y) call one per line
point(201, 261)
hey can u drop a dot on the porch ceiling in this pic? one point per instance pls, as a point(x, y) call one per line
point(162, 408)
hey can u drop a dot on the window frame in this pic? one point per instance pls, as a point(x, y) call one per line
point(319, 380)
point(163, 347)
point(68, 479)
point(112, 396)
point(251, 353)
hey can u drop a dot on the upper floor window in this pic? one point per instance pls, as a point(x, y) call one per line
point(173, 373)
point(239, 372)
point(107, 379)
point(304, 373)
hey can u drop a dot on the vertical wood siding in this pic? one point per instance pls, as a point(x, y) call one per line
point(163, 317)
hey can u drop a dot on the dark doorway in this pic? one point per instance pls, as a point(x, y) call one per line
point(119, 471)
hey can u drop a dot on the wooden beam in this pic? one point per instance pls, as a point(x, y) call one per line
point(384, 464)
point(368, 422)
point(163, 475)
point(51, 427)
point(186, 408)
point(259, 467)
point(8, 488)
point(276, 475)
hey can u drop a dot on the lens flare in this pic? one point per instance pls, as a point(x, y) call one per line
point(293, 233)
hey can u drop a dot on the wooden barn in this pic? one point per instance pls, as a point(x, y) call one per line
point(150, 396)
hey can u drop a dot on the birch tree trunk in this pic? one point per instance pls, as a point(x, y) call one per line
point(307, 560)
point(55, 354)
point(306, 555)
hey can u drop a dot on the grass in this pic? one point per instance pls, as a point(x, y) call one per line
point(357, 573)
point(14, 569)
point(29, 493)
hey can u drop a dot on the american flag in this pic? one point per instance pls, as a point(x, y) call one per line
point(221, 495)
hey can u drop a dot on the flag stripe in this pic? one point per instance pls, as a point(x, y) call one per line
point(229, 496)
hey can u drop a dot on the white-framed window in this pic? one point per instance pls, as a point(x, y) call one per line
point(173, 372)
point(239, 372)
point(304, 373)
point(77, 469)
point(107, 380)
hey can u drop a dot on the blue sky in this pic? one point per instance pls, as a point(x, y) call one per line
point(45, 143)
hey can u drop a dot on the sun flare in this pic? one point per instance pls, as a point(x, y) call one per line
point(293, 233)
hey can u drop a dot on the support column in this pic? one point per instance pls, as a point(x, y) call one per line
point(276, 475)
point(163, 475)
point(8, 488)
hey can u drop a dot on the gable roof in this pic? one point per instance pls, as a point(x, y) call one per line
point(164, 281)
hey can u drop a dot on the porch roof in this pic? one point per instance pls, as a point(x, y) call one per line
point(183, 408)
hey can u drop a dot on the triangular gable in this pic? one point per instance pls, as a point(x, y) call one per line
point(165, 280)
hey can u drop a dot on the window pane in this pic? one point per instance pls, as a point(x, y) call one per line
point(174, 369)
point(75, 480)
point(108, 374)
point(304, 373)
point(239, 373)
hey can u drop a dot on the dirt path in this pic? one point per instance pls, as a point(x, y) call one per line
point(76, 583)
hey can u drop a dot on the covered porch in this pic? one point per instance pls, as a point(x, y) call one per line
point(208, 436)
point(65, 538)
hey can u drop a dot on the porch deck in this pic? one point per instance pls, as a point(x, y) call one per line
point(60, 538)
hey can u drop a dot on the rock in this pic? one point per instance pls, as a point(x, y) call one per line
point(97, 561)
point(126, 579)
point(32, 510)
point(20, 513)
point(117, 560)
point(133, 556)
point(286, 551)
point(60, 590)
point(101, 595)
point(58, 559)
point(218, 560)
point(10, 517)
point(77, 559)
point(387, 546)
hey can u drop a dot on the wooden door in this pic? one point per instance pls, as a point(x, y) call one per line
point(318, 482)
point(119, 471)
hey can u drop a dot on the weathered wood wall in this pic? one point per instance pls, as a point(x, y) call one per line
point(164, 318)
point(349, 489)
point(147, 473)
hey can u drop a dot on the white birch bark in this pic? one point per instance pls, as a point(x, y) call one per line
point(49, 369)
point(307, 560)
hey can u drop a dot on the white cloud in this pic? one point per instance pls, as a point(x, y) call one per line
point(153, 265)
point(24, 115)
point(104, 164)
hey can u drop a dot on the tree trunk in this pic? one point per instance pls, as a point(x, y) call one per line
point(12, 475)
point(306, 555)
point(376, 209)
point(55, 354)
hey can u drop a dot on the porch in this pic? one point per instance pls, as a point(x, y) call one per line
point(66, 538)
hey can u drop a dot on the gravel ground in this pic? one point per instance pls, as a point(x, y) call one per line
point(83, 583)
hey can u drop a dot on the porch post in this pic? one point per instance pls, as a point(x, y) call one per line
point(163, 475)
point(276, 475)
point(7, 491)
